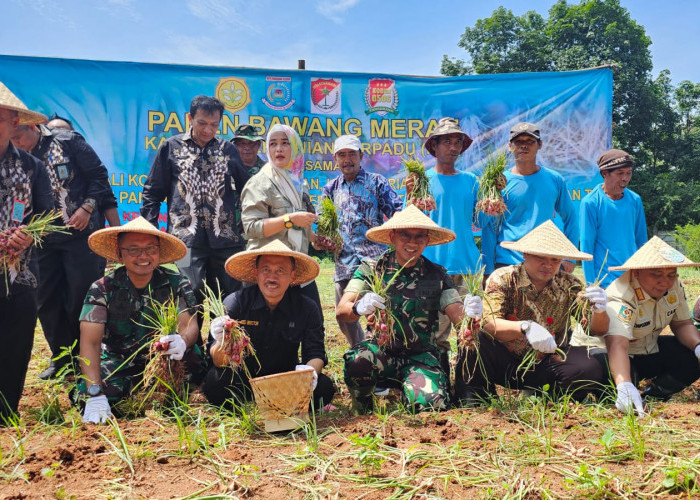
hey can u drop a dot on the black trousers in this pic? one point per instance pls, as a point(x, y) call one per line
point(579, 373)
point(67, 268)
point(673, 368)
point(17, 322)
point(221, 385)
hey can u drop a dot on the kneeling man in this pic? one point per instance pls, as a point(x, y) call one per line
point(278, 318)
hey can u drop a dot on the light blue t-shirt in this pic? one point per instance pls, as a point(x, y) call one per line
point(455, 197)
point(531, 200)
point(618, 226)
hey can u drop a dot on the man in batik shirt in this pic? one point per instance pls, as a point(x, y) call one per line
point(67, 267)
point(363, 200)
point(409, 358)
point(201, 176)
point(114, 331)
point(527, 308)
point(24, 192)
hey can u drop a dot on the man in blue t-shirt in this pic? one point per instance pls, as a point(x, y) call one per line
point(455, 198)
point(533, 195)
point(612, 219)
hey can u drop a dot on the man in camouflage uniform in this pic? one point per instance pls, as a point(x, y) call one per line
point(248, 142)
point(527, 309)
point(409, 358)
point(116, 312)
point(67, 267)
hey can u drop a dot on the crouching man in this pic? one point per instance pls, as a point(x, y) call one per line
point(116, 311)
point(278, 318)
point(527, 308)
point(407, 355)
point(647, 298)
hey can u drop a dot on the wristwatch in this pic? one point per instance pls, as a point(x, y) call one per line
point(525, 326)
point(354, 309)
point(287, 221)
point(94, 390)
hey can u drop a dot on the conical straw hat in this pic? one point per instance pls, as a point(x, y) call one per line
point(547, 240)
point(10, 101)
point(655, 253)
point(104, 242)
point(410, 218)
point(242, 265)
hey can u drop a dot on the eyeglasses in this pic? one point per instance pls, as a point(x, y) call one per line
point(416, 238)
point(136, 251)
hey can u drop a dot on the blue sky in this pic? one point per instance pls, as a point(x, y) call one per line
point(387, 36)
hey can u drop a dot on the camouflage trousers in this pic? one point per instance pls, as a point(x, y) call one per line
point(422, 380)
point(120, 374)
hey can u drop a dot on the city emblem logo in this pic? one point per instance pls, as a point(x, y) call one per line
point(234, 93)
point(325, 96)
point(279, 93)
point(381, 96)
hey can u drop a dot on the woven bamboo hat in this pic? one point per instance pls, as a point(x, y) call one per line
point(10, 101)
point(104, 242)
point(410, 218)
point(242, 265)
point(654, 254)
point(547, 240)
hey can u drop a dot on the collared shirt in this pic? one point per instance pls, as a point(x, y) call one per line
point(200, 184)
point(259, 163)
point(414, 299)
point(124, 309)
point(78, 177)
point(511, 295)
point(24, 191)
point(637, 316)
point(611, 230)
point(277, 335)
point(361, 204)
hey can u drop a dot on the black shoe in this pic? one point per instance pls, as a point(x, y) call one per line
point(55, 369)
point(469, 398)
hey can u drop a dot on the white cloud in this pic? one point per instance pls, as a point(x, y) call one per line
point(335, 10)
point(222, 14)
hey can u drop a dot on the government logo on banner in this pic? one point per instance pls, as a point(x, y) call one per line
point(381, 96)
point(325, 96)
point(279, 93)
point(234, 93)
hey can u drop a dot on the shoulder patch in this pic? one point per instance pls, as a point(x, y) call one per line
point(625, 314)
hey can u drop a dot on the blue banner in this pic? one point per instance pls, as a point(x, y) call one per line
point(126, 110)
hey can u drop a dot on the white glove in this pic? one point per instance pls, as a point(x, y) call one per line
point(697, 351)
point(369, 303)
point(628, 399)
point(97, 410)
point(540, 339)
point(597, 297)
point(314, 382)
point(473, 306)
point(176, 346)
point(216, 328)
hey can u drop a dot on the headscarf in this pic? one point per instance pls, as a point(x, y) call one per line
point(294, 170)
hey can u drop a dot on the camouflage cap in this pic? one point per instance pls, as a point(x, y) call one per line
point(247, 131)
point(447, 126)
point(525, 128)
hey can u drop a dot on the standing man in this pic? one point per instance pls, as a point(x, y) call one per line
point(612, 219)
point(642, 302)
point(363, 200)
point(410, 358)
point(24, 192)
point(455, 194)
point(248, 143)
point(114, 338)
point(533, 194)
point(67, 267)
point(280, 320)
point(201, 176)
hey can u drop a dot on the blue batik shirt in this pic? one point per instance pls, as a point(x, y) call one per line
point(362, 204)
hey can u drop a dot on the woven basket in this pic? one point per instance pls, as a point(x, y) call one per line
point(283, 399)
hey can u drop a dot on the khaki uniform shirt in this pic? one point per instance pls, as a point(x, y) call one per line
point(637, 316)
